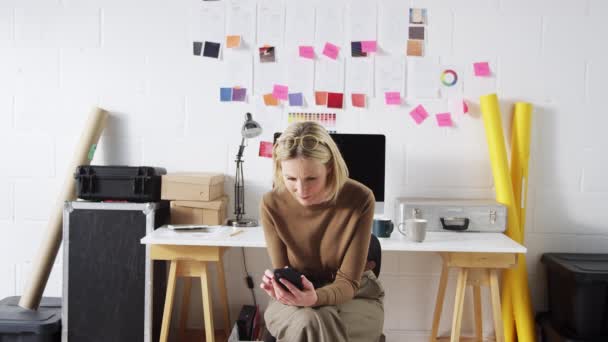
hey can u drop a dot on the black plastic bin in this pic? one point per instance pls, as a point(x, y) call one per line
point(547, 332)
point(22, 325)
point(578, 293)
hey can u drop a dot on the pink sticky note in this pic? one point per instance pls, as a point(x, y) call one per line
point(482, 69)
point(392, 97)
point(465, 107)
point(265, 149)
point(331, 51)
point(280, 92)
point(419, 114)
point(307, 52)
point(444, 119)
point(368, 46)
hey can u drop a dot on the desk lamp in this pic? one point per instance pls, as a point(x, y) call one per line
point(251, 129)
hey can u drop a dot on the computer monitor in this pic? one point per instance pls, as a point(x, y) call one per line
point(364, 155)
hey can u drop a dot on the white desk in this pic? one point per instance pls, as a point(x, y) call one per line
point(479, 257)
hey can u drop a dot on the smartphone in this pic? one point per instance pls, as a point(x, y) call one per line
point(291, 275)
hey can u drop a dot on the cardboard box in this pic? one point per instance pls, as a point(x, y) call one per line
point(196, 186)
point(197, 212)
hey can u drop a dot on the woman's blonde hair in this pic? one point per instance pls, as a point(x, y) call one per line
point(291, 145)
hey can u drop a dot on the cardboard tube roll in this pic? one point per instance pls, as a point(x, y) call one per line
point(505, 195)
point(43, 262)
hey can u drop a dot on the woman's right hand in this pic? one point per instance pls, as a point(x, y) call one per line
point(266, 284)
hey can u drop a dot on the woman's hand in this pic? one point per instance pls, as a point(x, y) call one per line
point(266, 284)
point(295, 297)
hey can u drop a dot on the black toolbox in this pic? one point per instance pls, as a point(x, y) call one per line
point(577, 285)
point(119, 183)
point(23, 325)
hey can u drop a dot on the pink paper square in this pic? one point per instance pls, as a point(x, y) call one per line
point(482, 69)
point(331, 50)
point(419, 114)
point(444, 119)
point(392, 97)
point(465, 107)
point(358, 100)
point(265, 149)
point(280, 92)
point(368, 46)
point(307, 52)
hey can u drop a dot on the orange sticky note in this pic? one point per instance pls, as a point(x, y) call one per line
point(233, 41)
point(358, 100)
point(321, 98)
point(270, 100)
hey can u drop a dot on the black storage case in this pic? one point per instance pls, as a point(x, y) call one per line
point(23, 325)
point(119, 183)
point(547, 332)
point(107, 276)
point(578, 293)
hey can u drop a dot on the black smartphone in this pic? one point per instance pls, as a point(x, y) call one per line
point(291, 275)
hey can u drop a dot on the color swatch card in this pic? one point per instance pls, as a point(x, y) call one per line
point(358, 100)
point(270, 100)
point(418, 16)
point(335, 100)
point(356, 50)
point(444, 120)
point(330, 50)
point(233, 41)
point(211, 50)
point(267, 54)
point(307, 52)
point(265, 149)
point(225, 94)
point(239, 94)
point(280, 92)
point(392, 98)
point(369, 46)
point(327, 120)
point(197, 48)
point(296, 99)
point(419, 114)
point(482, 69)
point(321, 98)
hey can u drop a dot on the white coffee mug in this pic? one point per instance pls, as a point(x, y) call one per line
point(413, 229)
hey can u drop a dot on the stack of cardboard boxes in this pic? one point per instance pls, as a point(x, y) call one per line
point(196, 198)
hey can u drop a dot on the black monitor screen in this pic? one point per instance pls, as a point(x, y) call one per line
point(364, 155)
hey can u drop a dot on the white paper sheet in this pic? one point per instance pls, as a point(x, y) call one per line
point(360, 76)
point(241, 21)
point(211, 23)
point(393, 26)
point(423, 78)
point(238, 70)
point(271, 17)
point(299, 24)
point(329, 75)
point(329, 26)
point(390, 74)
point(301, 76)
point(362, 16)
point(266, 75)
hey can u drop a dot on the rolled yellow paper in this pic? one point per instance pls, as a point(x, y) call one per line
point(504, 194)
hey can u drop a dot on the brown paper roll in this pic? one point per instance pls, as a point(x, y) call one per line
point(43, 263)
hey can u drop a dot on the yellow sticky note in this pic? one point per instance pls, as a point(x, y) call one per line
point(270, 100)
point(233, 41)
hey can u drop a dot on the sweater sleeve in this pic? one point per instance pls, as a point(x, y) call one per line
point(275, 246)
point(348, 276)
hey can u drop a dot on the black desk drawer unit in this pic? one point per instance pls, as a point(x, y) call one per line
point(107, 278)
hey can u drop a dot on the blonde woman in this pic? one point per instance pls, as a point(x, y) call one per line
point(318, 221)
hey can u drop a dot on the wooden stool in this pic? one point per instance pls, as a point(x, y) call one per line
point(475, 269)
point(192, 261)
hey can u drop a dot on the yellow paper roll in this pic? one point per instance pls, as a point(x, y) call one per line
point(520, 156)
point(505, 195)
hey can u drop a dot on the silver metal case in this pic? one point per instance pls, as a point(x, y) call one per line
point(453, 214)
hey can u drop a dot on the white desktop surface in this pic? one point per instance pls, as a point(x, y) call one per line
point(468, 242)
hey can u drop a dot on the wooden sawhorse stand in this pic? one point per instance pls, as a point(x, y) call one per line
point(475, 269)
point(191, 261)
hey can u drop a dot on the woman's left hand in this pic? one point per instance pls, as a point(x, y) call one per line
point(295, 297)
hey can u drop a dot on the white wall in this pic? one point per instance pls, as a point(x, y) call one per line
point(58, 58)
